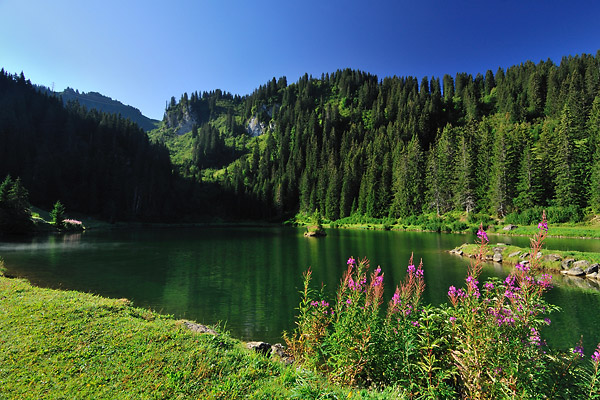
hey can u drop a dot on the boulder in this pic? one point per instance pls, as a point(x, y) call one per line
point(278, 352)
point(199, 328)
point(524, 256)
point(552, 257)
point(509, 227)
point(263, 348)
point(566, 263)
point(497, 257)
point(583, 264)
point(593, 275)
point(592, 269)
point(574, 271)
point(515, 254)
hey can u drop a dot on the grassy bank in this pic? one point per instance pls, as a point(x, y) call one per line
point(454, 222)
point(511, 255)
point(64, 345)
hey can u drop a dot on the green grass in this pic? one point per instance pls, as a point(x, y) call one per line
point(581, 230)
point(456, 222)
point(472, 249)
point(66, 345)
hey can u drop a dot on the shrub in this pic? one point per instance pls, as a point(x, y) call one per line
point(458, 226)
point(58, 214)
point(555, 215)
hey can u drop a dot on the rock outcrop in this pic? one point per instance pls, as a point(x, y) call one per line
point(255, 128)
point(181, 122)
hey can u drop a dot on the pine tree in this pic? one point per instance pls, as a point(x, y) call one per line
point(503, 172)
point(575, 158)
point(594, 132)
point(332, 199)
point(529, 190)
point(18, 197)
point(57, 214)
point(4, 189)
point(464, 186)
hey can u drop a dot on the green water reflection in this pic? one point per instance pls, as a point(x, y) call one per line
point(250, 277)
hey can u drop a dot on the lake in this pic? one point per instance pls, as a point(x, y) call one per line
point(249, 278)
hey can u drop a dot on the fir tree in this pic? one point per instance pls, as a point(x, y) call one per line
point(57, 214)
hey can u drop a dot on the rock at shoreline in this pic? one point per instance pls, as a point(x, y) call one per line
point(592, 269)
point(574, 271)
point(509, 227)
point(199, 328)
point(315, 231)
point(566, 263)
point(583, 264)
point(263, 348)
point(497, 257)
point(552, 257)
point(515, 254)
point(276, 351)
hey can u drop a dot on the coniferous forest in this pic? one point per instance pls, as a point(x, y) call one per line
point(501, 143)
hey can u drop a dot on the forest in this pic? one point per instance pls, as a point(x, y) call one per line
point(347, 143)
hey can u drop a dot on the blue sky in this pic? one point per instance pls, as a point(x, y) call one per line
point(144, 52)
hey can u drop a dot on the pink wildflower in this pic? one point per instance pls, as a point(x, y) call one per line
point(482, 235)
point(596, 355)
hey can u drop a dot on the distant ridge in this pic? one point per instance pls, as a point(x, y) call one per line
point(105, 104)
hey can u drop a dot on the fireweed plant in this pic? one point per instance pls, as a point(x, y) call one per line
point(497, 346)
point(485, 344)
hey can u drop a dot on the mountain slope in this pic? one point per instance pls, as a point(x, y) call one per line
point(105, 104)
point(349, 143)
point(97, 163)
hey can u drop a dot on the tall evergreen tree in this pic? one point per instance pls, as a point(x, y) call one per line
point(407, 183)
point(594, 131)
point(503, 172)
point(464, 186)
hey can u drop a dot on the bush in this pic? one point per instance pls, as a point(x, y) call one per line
point(571, 214)
point(458, 226)
point(434, 225)
point(479, 219)
point(555, 215)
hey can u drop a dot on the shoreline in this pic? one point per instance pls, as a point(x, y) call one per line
point(572, 264)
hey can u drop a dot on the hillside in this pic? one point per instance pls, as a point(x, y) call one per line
point(97, 101)
point(96, 163)
point(350, 143)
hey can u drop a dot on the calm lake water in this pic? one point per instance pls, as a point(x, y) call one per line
point(249, 278)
